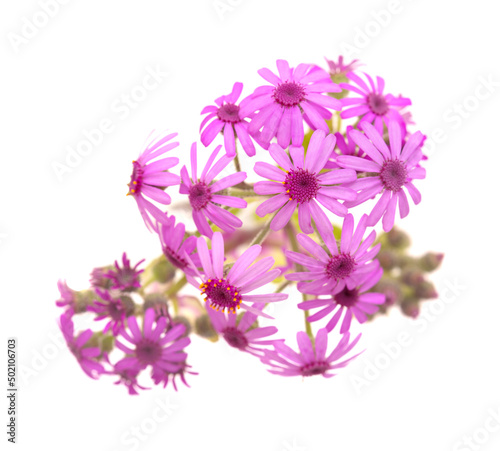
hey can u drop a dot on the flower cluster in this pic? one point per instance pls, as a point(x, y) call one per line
point(261, 237)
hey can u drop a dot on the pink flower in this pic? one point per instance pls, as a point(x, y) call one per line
point(356, 302)
point(149, 179)
point(230, 290)
point(125, 278)
point(203, 191)
point(344, 146)
point(330, 273)
point(239, 333)
point(86, 356)
point(227, 119)
point(294, 93)
point(373, 106)
point(128, 377)
point(110, 308)
point(341, 68)
point(299, 184)
point(310, 360)
point(394, 169)
point(153, 345)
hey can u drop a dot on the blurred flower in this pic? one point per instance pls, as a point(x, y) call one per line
point(125, 278)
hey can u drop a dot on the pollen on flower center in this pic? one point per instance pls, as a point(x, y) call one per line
point(229, 113)
point(314, 368)
point(148, 352)
point(347, 298)
point(340, 266)
point(377, 103)
point(199, 195)
point(221, 295)
point(235, 337)
point(289, 94)
point(393, 174)
point(301, 185)
point(134, 187)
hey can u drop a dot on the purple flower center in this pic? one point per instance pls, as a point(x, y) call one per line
point(347, 298)
point(340, 266)
point(314, 368)
point(377, 103)
point(199, 195)
point(393, 174)
point(174, 258)
point(148, 351)
point(116, 310)
point(229, 113)
point(134, 187)
point(235, 337)
point(289, 94)
point(221, 294)
point(301, 185)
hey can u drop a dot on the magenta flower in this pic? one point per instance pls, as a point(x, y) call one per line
point(125, 278)
point(227, 119)
point(203, 195)
point(394, 170)
point(174, 245)
point(230, 291)
point(344, 146)
point(330, 273)
point(153, 345)
point(294, 93)
point(128, 378)
point(68, 296)
point(240, 334)
point(164, 376)
point(86, 356)
point(149, 179)
point(300, 184)
point(113, 309)
point(356, 302)
point(341, 68)
point(310, 360)
point(373, 106)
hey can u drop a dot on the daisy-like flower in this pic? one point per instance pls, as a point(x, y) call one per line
point(299, 184)
point(203, 193)
point(228, 120)
point(174, 245)
point(310, 360)
point(86, 356)
point(68, 296)
point(228, 292)
point(344, 146)
point(149, 179)
point(240, 334)
point(373, 106)
point(391, 169)
point(336, 68)
point(125, 278)
point(113, 309)
point(356, 302)
point(164, 376)
point(330, 273)
point(294, 93)
point(128, 378)
point(152, 346)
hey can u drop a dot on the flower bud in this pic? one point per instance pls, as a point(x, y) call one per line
point(183, 320)
point(203, 327)
point(391, 289)
point(425, 290)
point(430, 261)
point(397, 239)
point(158, 302)
point(412, 276)
point(410, 307)
point(98, 278)
point(388, 259)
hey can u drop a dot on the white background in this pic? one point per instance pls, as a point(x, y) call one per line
point(69, 76)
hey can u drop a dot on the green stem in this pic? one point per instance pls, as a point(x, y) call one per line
point(174, 289)
point(237, 161)
point(262, 235)
point(308, 324)
point(283, 286)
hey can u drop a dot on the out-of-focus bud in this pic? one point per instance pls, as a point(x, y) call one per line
point(162, 270)
point(129, 304)
point(397, 239)
point(430, 261)
point(158, 302)
point(182, 320)
point(425, 290)
point(105, 342)
point(388, 259)
point(412, 276)
point(391, 289)
point(98, 280)
point(410, 307)
point(203, 327)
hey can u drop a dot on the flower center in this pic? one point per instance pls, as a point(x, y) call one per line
point(301, 185)
point(134, 187)
point(377, 103)
point(199, 196)
point(340, 266)
point(393, 174)
point(314, 368)
point(235, 338)
point(289, 94)
point(221, 294)
point(229, 113)
point(174, 258)
point(116, 309)
point(148, 352)
point(347, 298)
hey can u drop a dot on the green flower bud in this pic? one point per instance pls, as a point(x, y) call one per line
point(203, 327)
point(430, 261)
point(388, 259)
point(425, 290)
point(397, 239)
